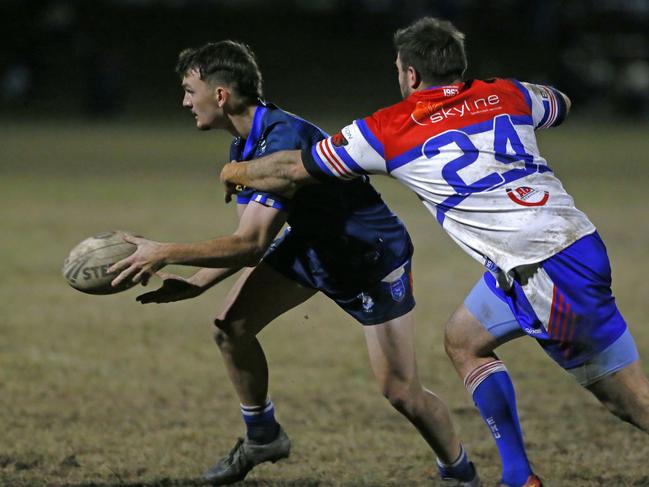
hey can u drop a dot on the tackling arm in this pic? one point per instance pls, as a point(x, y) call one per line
point(282, 173)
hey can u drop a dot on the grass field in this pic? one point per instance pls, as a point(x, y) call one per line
point(103, 391)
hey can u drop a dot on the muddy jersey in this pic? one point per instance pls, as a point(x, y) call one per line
point(469, 151)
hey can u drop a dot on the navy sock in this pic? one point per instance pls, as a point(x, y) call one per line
point(461, 469)
point(493, 395)
point(260, 422)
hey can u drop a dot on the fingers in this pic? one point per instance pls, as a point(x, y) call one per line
point(125, 266)
point(142, 276)
point(230, 190)
point(139, 273)
point(119, 265)
point(123, 275)
point(151, 297)
point(226, 170)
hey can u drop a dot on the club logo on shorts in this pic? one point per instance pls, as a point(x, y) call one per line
point(526, 196)
point(339, 140)
point(398, 290)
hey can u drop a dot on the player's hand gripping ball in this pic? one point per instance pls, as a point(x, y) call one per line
point(86, 268)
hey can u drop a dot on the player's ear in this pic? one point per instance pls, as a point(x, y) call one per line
point(221, 95)
point(414, 80)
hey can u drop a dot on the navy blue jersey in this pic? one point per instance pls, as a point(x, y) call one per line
point(355, 236)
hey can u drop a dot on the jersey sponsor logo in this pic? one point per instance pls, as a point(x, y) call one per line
point(526, 196)
point(339, 140)
point(430, 113)
point(423, 111)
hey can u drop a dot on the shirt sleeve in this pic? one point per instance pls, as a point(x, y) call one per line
point(548, 105)
point(351, 153)
point(281, 136)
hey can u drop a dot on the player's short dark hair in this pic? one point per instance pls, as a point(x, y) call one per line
point(434, 48)
point(229, 62)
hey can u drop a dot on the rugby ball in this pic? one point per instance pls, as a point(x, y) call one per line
point(86, 268)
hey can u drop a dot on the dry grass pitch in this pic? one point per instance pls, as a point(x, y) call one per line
point(103, 391)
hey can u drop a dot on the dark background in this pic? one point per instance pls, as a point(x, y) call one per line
point(107, 59)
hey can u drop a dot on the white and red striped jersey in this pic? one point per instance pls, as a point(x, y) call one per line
point(469, 151)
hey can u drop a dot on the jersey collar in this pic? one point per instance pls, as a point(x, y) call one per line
point(255, 132)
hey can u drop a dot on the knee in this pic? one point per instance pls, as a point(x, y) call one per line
point(226, 334)
point(401, 396)
point(452, 346)
point(456, 343)
point(465, 339)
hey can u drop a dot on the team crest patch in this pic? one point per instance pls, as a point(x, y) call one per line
point(398, 290)
point(526, 196)
point(339, 140)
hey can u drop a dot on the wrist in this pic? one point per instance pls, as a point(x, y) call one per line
point(165, 254)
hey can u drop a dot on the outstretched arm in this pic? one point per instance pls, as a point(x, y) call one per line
point(282, 173)
point(355, 151)
point(245, 247)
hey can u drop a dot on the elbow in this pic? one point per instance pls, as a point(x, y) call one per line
point(254, 255)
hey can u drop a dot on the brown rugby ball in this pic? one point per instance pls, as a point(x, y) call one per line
point(86, 268)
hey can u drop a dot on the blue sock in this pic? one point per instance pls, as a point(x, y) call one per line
point(461, 469)
point(260, 422)
point(493, 395)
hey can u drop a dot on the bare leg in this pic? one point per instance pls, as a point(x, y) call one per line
point(626, 394)
point(467, 343)
point(258, 297)
point(392, 356)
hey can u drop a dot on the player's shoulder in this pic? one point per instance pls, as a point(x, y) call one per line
point(497, 85)
point(276, 116)
point(393, 116)
point(510, 92)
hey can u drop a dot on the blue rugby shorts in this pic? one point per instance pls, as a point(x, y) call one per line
point(380, 291)
point(566, 304)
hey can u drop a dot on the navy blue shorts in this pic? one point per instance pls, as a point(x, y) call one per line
point(565, 303)
point(367, 283)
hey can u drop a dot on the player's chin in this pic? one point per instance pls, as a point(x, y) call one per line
point(202, 126)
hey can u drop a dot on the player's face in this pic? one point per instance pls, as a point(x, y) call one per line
point(403, 79)
point(203, 101)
